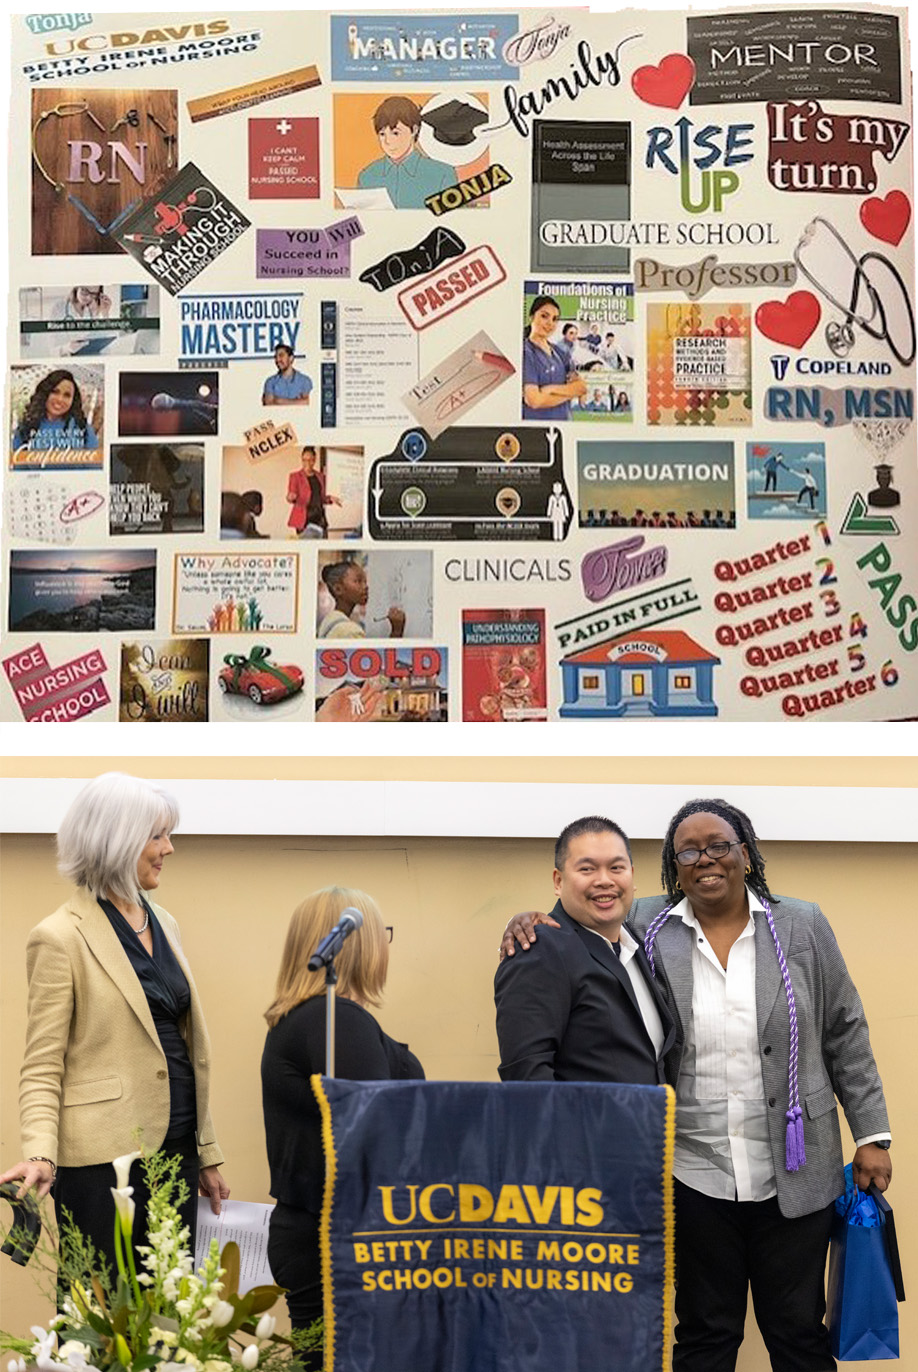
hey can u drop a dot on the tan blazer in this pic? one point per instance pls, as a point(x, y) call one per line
point(94, 1073)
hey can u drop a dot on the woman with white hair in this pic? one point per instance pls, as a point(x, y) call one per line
point(117, 1052)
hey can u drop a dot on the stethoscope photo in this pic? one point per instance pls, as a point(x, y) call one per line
point(840, 337)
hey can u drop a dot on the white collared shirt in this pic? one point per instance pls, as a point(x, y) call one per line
point(643, 994)
point(722, 1143)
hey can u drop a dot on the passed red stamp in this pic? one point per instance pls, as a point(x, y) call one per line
point(456, 283)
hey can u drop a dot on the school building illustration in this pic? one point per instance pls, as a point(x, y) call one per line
point(651, 672)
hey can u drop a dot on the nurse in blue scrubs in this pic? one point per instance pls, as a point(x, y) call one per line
point(549, 385)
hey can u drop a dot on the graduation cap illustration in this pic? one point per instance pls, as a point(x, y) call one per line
point(455, 122)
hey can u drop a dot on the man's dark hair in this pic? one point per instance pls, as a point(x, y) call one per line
point(284, 348)
point(741, 825)
point(590, 824)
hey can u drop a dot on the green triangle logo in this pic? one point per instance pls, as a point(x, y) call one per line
point(859, 520)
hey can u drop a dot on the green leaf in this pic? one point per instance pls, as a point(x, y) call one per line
point(93, 1340)
point(242, 1306)
point(263, 1297)
point(99, 1293)
point(229, 1259)
point(10, 1344)
point(98, 1323)
point(122, 1298)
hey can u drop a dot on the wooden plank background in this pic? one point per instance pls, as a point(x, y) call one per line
point(58, 227)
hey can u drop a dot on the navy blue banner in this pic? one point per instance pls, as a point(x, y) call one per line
point(473, 1227)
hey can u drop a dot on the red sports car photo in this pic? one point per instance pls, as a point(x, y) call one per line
point(262, 681)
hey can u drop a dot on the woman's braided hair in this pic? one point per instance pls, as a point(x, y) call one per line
point(741, 825)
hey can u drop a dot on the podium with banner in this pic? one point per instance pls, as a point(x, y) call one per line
point(513, 1227)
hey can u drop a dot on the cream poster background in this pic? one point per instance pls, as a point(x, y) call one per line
point(667, 646)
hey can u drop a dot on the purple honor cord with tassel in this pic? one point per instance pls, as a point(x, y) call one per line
point(655, 926)
point(794, 1147)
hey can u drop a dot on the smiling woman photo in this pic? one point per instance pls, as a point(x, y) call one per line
point(54, 416)
point(549, 382)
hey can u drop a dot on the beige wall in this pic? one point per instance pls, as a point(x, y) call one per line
point(448, 901)
point(848, 772)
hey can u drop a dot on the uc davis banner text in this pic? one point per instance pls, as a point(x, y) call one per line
point(495, 1228)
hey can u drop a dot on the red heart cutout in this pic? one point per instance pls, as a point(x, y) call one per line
point(667, 84)
point(790, 321)
point(887, 217)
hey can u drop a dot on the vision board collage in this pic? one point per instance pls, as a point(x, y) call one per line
point(550, 365)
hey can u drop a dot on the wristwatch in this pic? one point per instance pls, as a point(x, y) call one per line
point(883, 1143)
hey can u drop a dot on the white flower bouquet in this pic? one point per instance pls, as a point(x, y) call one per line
point(155, 1312)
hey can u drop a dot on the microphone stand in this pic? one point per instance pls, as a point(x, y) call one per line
point(324, 955)
point(331, 978)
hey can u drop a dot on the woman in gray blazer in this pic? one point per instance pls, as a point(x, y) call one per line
point(116, 1046)
point(770, 1033)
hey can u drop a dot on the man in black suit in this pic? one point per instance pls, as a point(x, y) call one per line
point(582, 1005)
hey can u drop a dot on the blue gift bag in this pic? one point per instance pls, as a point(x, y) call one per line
point(863, 1318)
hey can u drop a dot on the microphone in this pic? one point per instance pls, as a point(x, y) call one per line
point(164, 401)
point(330, 946)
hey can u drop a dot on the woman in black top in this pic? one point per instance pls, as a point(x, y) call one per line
point(294, 1050)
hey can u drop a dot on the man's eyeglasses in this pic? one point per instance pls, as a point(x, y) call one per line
point(689, 856)
point(389, 932)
